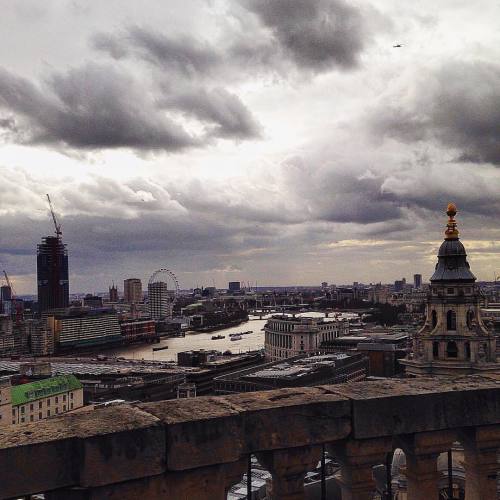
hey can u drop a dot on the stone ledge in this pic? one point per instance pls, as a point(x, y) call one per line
point(88, 449)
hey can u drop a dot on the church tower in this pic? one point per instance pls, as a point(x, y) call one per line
point(454, 339)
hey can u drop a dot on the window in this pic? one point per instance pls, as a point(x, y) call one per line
point(71, 405)
point(434, 319)
point(22, 420)
point(451, 320)
point(48, 401)
point(31, 418)
point(48, 413)
point(31, 407)
point(467, 350)
point(39, 404)
point(450, 291)
point(57, 410)
point(22, 409)
point(57, 400)
point(435, 350)
point(470, 318)
point(451, 349)
point(40, 416)
point(467, 290)
point(64, 397)
point(64, 407)
point(13, 411)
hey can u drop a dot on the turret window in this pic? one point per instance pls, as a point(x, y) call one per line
point(435, 350)
point(470, 318)
point(451, 350)
point(451, 320)
point(434, 319)
point(450, 291)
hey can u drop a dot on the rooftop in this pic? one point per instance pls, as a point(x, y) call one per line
point(32, 391)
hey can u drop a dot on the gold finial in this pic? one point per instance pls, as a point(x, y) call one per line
point(451, 232)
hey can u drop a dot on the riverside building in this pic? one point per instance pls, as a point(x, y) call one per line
point(288, 336)
point(454, 340)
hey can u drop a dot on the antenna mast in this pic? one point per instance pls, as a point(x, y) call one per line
point(56, 224)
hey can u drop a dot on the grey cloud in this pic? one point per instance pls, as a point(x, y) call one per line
point(93, 106)
point(456, 105)
point(224, 112)
point(182, 54)
point(317, 35)
point(100, 106)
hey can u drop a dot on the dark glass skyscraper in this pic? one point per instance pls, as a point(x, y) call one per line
point(52, 274)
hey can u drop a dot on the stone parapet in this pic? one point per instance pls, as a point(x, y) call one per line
point(197, 448)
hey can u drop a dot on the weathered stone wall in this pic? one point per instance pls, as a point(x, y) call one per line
point(197, 448)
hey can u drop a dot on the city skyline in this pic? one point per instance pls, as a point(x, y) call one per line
point(290, 156)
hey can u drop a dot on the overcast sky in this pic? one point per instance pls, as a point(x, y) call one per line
point(273, 141)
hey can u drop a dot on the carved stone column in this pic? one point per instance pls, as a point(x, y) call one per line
point(288, 468)
point(481, 447)
point(422, 451)
point(357, 459)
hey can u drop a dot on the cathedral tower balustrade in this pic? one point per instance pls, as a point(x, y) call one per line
point(196, 449)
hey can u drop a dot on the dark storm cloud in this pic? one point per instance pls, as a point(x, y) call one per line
point(100, 106)
point(229, 116)
point(182, 54)
point(94, 106)
point(456, 105)
point(316, 35)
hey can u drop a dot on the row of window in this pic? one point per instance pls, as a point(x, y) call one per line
point(453, 291)
point(40, 403)
point(24, 418)
point(451, 319)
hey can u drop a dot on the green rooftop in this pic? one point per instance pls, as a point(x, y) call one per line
point(26, 393)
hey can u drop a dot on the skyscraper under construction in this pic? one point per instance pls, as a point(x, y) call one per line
point(52, 270)
point(52, 274)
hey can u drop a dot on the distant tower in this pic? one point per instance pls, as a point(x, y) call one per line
point(113, 293)
point(159, 300)
point(52, 274)
point(52, 269)
point(453, 340)
point(132, 291)
point(417, 280)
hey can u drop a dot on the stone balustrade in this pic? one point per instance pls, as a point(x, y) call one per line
point(196, 449)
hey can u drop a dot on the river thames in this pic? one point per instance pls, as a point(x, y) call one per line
point(195, 341)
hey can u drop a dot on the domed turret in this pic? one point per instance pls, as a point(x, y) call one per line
point(452, 262)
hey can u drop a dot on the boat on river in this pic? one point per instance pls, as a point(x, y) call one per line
point(218, 337)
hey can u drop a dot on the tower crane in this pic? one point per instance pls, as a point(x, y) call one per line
point(56, 224)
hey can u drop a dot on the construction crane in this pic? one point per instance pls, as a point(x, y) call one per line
point(56, 224)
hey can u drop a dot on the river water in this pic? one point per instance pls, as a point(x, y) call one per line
point(195, 341)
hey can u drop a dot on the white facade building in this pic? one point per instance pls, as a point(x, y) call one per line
point(287, 336)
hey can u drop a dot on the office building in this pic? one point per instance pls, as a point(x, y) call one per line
point(417, 280)
point(40, 399)
point(300, 371)
point(160, 300)
point(80, 328)
point(288, 336)
point(52, 274)
point(132, 291)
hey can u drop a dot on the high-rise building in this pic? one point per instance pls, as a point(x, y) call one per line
point(5, 299)
point(454, 340)
point(417, 280)
point(132, 291)
point(234, 286)
point(52, 274)
point(160, 300)
point(113, 293)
